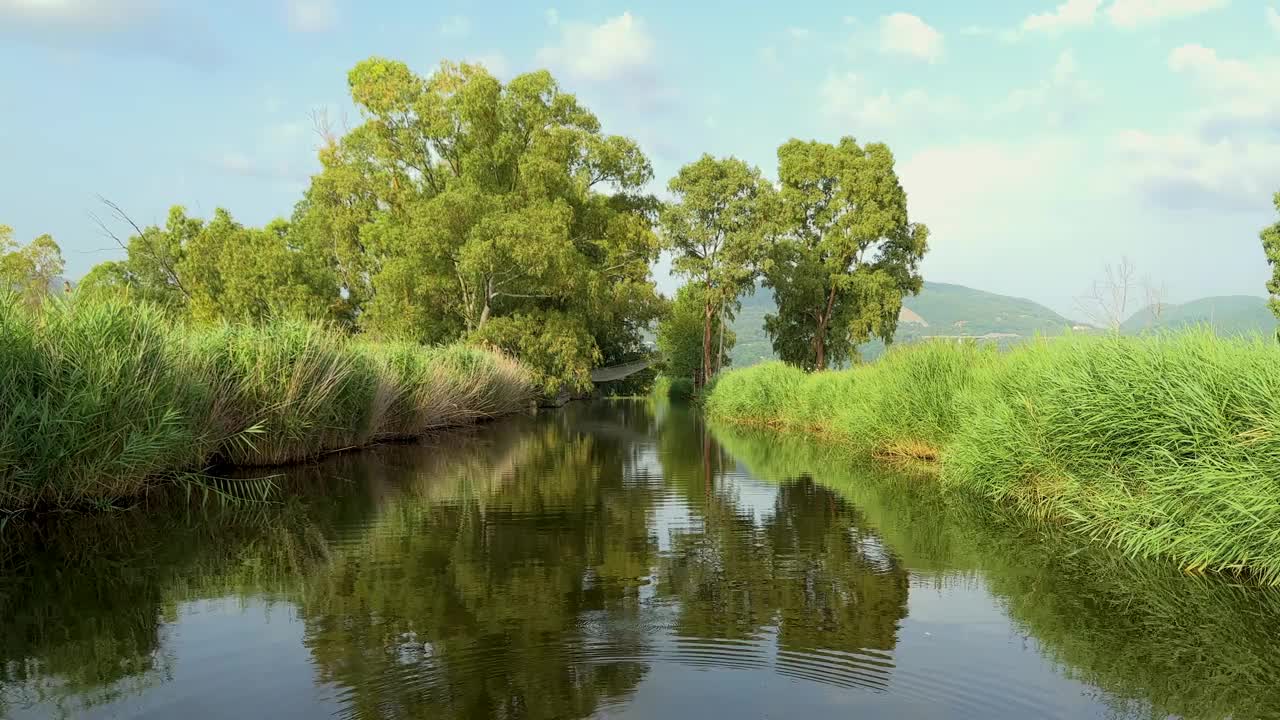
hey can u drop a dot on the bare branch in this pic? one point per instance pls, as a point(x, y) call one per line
point(1106, 304)
point(1155, 296)
point(120, 214)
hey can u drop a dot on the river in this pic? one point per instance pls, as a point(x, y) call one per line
point(610, 559)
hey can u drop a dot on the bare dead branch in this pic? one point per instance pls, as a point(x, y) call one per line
point(121, 215)
point(1107, 301)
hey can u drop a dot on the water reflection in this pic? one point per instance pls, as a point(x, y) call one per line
point(609, 559)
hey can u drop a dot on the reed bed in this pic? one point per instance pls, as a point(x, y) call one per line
point(1163, 445)
point(101, 399)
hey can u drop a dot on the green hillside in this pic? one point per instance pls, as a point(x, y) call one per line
point(940, 310)
point(1229, 314)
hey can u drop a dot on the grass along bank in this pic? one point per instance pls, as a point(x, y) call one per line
point(1166, 445)
point(101, 399)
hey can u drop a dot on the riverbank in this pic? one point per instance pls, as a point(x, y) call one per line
point(1165, 445)
point(104, 399)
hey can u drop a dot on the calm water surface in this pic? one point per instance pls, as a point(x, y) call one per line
point(610, 560)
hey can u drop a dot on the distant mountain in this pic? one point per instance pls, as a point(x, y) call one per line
point(940, 310)
point(1228, 314)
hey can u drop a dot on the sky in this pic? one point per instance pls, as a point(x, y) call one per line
point(1039, 140)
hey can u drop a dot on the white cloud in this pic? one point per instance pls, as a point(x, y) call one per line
point(798, 33)
point(312, 15)
point(1183, 170)
point(846, 101)
point(1070, 14)
point(1225, 156)
point(1132, 13)
point(979, 198)
point(1240, 95)
point(907, 34)
point(1061, 95)
point(455, 26)
point(119, 27)
point(78, 14)
point(1221, 75)
point(617, 48)
point(496, 63)
point(1273, 19)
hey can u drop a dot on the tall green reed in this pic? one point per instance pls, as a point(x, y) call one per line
point(101, 397)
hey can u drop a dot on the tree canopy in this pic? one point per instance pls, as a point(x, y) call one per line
point(718, 231)
point(29, 270)
point(1271, 246)
point(463, 206)
point(846, 252)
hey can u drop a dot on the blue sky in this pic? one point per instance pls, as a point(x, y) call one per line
point(1038, 139)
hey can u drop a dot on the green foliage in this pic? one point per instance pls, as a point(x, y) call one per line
point(463, 206)
point(718, 230)
point(901, 405)
point(29, 270)
point(222, 271)
point(680, 335)
point(556, 347)
point(681, 389)
point(103, 396)
point(1270, 237)
point(846, 254)
point(1163, 445)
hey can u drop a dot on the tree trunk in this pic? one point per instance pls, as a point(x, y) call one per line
point(820, 336)
point(720, 349)
point(708, 313)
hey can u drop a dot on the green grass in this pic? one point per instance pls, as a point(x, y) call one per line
point(1164, 445)
point(99, 399)
point(902, 405)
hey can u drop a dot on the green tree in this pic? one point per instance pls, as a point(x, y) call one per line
point(680, 335)
point(29, 270)
point(223, 271)
point(461, 200)
point(717, 229)
point(847, 255)
point(1271, 246)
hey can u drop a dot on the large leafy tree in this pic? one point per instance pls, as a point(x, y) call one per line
point(461, 202)
point(1271, 246)
point(847, 255)
point(718, 231)
point(30, 269)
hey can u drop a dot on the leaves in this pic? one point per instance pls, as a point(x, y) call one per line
point(30, 270)
point(846, 252)
point(1271, 246)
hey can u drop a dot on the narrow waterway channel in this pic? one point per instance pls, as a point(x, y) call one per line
point(610, 559)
